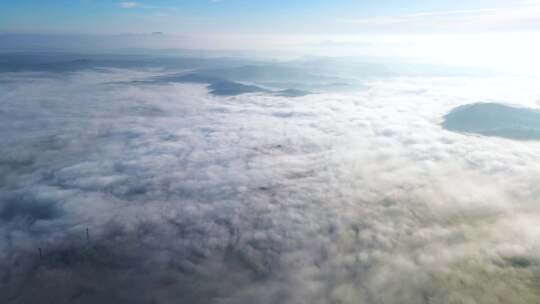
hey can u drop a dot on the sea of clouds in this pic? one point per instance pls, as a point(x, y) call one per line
point(358, 197)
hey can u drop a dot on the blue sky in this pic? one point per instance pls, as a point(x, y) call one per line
point(473, 32)
point(227, 16)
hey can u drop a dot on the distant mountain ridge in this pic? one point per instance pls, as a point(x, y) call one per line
point(495, 119)
point(222, 87)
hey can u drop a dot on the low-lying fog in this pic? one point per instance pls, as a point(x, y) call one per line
point(139, 187)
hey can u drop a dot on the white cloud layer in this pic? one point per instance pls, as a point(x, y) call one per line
point(519, 16)
point(330, 198)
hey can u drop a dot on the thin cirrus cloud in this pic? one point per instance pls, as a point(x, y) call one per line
point(138, 5)
point(128, 4)
point(525, 16)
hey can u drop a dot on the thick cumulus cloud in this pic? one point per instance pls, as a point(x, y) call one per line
point(114, 192)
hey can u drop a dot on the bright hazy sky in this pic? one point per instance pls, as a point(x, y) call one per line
point(470, 32)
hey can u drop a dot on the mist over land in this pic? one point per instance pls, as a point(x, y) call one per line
point(165, 179)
